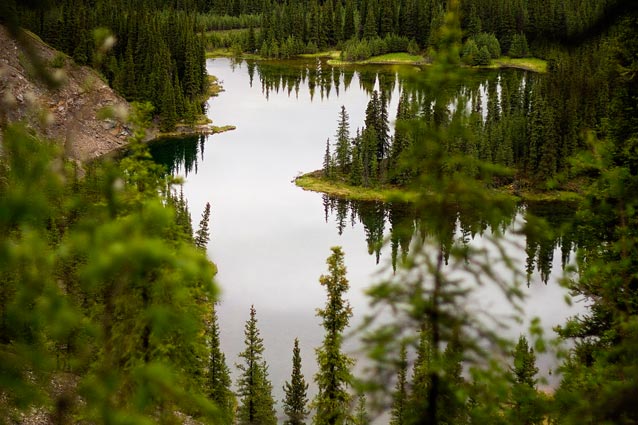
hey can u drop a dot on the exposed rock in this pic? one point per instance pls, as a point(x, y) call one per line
point(69, 114)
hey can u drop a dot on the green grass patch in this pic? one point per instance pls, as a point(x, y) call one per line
point(227, 32)
point(214, 87)
point(316, 183)
point(398, 58)
point(333, 54)
point(530, 64)
point(219, 53)
point(227, 53)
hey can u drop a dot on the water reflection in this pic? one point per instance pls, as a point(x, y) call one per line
point(179, 155)
point(399, 223)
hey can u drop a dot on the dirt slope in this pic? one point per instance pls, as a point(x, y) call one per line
point(69, 114)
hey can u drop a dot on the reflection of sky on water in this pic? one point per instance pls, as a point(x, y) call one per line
point(270, 239)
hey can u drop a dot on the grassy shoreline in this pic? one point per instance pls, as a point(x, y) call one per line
point(315, 182)
point(399, 58)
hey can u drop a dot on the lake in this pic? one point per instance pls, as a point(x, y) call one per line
point(269, 238)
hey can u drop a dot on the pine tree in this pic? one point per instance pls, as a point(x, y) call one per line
point(400, 395)
point(383, 128)
point(370, 24)
point(361, 413)
point(327, 162)
point(524, 369)
point(254, 387)
point(333, 378)
point(343, 141)
point(356, 171)
point(525, 404)
point(203, 234)
point(296, 400)
point(219, 382)
point(421, 373)
point(349, 29)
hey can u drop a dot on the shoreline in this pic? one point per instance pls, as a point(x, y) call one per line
point(314, 182)
point(531, 64)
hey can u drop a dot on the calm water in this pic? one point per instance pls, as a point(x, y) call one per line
point(269, 238)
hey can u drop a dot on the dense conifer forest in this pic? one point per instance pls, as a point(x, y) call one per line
point(108, 299)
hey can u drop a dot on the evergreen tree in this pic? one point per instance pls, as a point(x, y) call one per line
point(327, 162)
point(203, 234)
point(361, 413)
point(356, 171)
point(168, 111)
point(349, 29)
point(383, 128)
point(218, 378)
point(483, 57)
point(399, 397)
point(370, 24)
point(518, 48)
point(254, 387)
point(343, 141)
point(525, 408)
point(295, 390)
point(333, 378)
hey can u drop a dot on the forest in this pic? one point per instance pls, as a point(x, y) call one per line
point(108, 300)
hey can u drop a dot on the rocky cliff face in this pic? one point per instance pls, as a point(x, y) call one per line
point(70, 114)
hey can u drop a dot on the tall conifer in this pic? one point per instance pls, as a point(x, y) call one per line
point(333, 378)
point(219, 382)
point(254, 387)
point(295, 390)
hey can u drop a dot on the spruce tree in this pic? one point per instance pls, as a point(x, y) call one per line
point(296, 400)
point(343, 141)
point(383, 128)
point(361, 413)
point(218, 378)
point(202, 236)
point(525, 403)
point(400, 395)
point(349, 29)
point(254, 387)
point(333, 378)
point(327, 162)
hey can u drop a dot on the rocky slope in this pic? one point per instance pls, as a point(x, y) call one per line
point(69, 114)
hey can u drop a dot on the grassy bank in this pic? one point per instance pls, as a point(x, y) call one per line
point(530, 64)
point(398, 58)
point(315, 182)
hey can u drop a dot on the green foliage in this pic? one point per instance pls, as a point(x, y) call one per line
point(342, 137)
point(483, 57)
point(490, 42)
point(218, 382)
point(332, 402)
point(428, 294)
point(470, 52)
point(203, 234)
point(526, 404)
point(147, 49)
point(296, 400)
point(101, 286)
point(254, 387)
point(519, 48)
point(400, 395)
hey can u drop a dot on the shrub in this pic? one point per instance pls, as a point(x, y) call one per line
point(58, 60)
